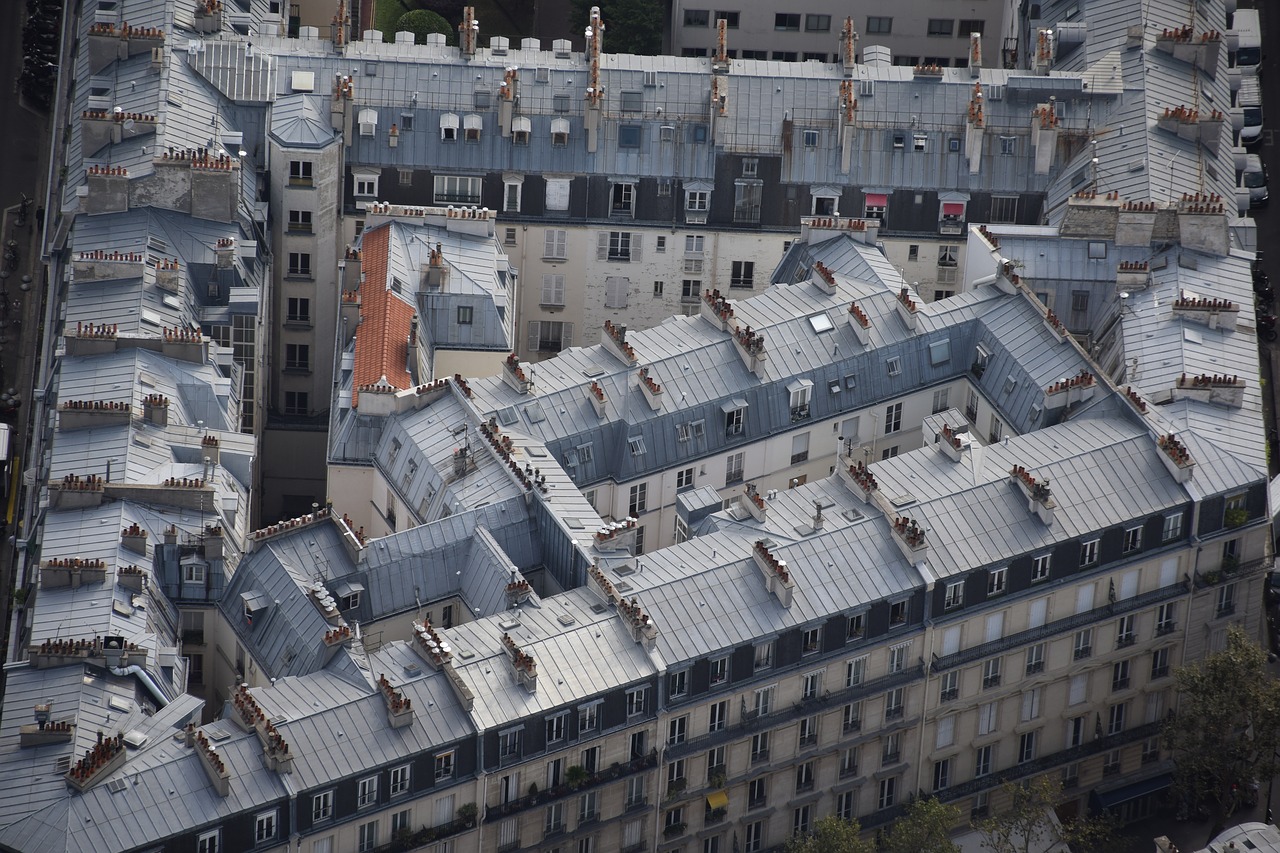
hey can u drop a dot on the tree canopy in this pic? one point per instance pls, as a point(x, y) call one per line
point(1227, 728)
point(420, 22)
point(630, 26)
point(832, 835)
point(1029, 822)
point(925, 828)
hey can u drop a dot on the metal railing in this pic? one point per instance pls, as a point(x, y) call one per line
point(561, 792)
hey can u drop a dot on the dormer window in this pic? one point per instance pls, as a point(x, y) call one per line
point(559, 132)
point(471, 126)
point(449, 127)
point(520, 130)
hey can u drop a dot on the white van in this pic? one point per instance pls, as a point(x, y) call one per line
point(1254, 179)
point(1249, 99)
point(1247, 32)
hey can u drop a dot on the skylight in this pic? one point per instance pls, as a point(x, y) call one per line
point(821, 323)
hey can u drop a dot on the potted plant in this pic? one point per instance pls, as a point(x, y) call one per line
point(575, 777)
point(467, 814)
point(1235, 517)
point(717, 814)
point(673, 829)
point(718, 779)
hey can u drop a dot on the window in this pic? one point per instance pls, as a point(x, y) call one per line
point(991, 673)
point(1115, 718)
point(898, 613)
point(853, 717)
point(1132, 539)
point(949, 686)
point(510, 745)
point(677, 730)
point(1125, 635)
point(209, 842)
point(941, 27)
point(764, 655)
point(553, 822)
point(898, 658)
point(557, 194)
point(786, 21)
point(804, 776)
point(719, 670)
point(400, 778)
point(297, 356)
point(945, 734)
point(588, 717)
point(1004, 209)
point(941, 400)
point(300, 173)
point(678, 683)
point(892, 418)
point(888, 791)
point(265, 827)
point(549, 335)
point(855, 671)
point(799, 444)
point(193, 573)
point(1159, 663)
point(1027, 747)
point(1089, 552)
point(1008, 145)
point(811, 685)
point(1226, 600)
point(300, 263)
point(1120, 675)
point(552, 290)
point(368, 837)
point(511, 194)
point(451, 189)
point(697, 201)
point(982, 761)
point(639, 499)
point(366, 185)
point(555, 244)
point(969, 26)
point(811, 642)
point(556, 727)
point(746, 200)
point(300, 221)
point(619, 246)
point(734, 421)
point(472, 124)
point(733, 468)
point(857, 626)
point(465, 315)
point(941, 774)
point(367, 792)
point(637, 701)
point(893, 704)
point(879, 25)
point(810, 138)
point(1079, 301)
point(817, 23)
point(1030, 704)
point(1040, 567)
point(322, 807)
point(996, 581)
point(764, 701)
point(296, 403)
point(623, 200)
point(893, 366)
point(1035, 659)
point(1083, 646)
point(697, 17)
point(759, 747)
point(629, 136)
point(718, 716)
point(299, 310)
point(742, 274)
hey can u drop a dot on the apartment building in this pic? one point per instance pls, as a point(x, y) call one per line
point(917, 33)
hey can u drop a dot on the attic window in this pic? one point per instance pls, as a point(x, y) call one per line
point(471, 126)
point(483, 99)
point(1097, 250)
point(919, 141)
point(893, 366)
point(940, 352)
point(508, 416)
point(559, 132)
point(632, 102)
point(449, 127)
point(636, 444)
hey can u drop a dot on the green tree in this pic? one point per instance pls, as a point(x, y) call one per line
point(831, 835)
point(925, 828)
point(1029, 822)
point(1227, 728)
point(630, 26)
point(420, 22)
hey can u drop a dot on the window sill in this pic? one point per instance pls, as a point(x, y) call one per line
point(299, 276)
point(298, 370)
point(297, 323)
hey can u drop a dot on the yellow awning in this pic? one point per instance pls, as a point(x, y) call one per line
point(717, 800)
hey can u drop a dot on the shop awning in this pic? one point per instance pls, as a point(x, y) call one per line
point(952, 208)
point(1111, 799)
point(717, 800)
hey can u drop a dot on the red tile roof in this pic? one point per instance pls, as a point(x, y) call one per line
point(382, 348)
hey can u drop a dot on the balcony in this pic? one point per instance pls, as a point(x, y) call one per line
point(758, 757)
point(990, 681)
point(757, 803)
point(800, 413)
point(895, 713)
point(808, 741)
point(1035, 667)
point(890, 758)
point(1111, 769)
point(804, 787)
point(560, 792)
point(412, 840)
point(1227, 609)
point(1082, 653)
point(1119, 684)
point(674, 830)
point(1124, 641)
point(848, 772)
point(751, 721)
point(1166, 628)
point(949, 695)
point(1159, 672)
point(852, 726)
point(711, 817)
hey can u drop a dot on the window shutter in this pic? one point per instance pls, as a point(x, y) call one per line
point(635, 246)
point(1084, 598)
point(995, 627)
point(534, 328)
point(549, 244)
point(602, 246)
point(951, 640)
point(566, 335)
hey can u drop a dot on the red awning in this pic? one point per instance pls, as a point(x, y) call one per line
point(952, 208)
point(877, 199)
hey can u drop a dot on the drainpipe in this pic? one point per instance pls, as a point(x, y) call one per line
point(146, 679)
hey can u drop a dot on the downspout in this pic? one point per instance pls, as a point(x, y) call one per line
point(146, 679)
